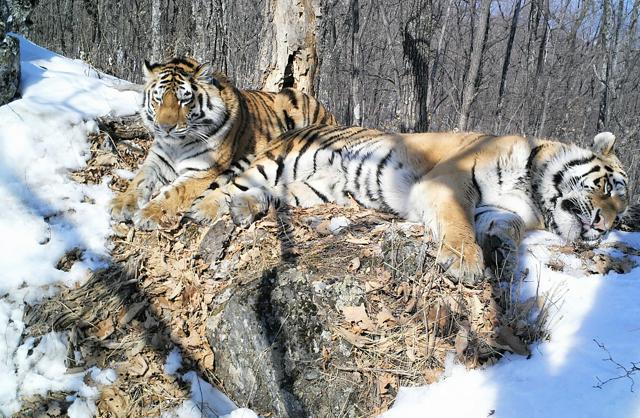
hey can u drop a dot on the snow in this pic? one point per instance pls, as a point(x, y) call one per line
point(174, 362)
point(206, 401)
point(43, 137)
point(560, 377)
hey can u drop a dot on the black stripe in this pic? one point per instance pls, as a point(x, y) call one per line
point(240, 186)
point(532, 155)
point(196, 154)
point(320, 195)
point(316, 112)
point(260, 168)
point(165, 162)
point(295, 198)
point(475, 181)
point(499, 172)
point(291, 95)
point(280, 163)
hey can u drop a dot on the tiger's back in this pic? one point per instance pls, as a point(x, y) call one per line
point(477, 193)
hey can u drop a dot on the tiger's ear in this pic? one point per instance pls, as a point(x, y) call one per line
point(603, 143)
point(203, 73)
point(148, 70)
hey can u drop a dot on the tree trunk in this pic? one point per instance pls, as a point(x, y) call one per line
point(470, 87)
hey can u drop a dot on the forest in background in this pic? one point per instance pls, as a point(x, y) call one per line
point(565, 69)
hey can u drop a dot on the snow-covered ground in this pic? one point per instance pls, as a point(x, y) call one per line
point(561, 377)
point(44, 214)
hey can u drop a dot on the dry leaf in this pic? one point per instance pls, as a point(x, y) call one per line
point(386, 381)
point(358, 241)
point(353, 339)
point(114, 402)
point(508, 341)
point(137, 366)
point(105, 328)
point(358, 315)
point(132, 312)
point(462, 339)
point(354, 265)
point(385, 316)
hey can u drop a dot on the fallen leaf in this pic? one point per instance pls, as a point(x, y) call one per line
point(114, 402)
point(358, 315)
point(137, 366)
point(353, 339)
point(508, 341)
point(462, 339)
point(385, 316)
point(354, 265)
point(132, 312)
point(386, 381)
point(358, 241)
point(105, 328)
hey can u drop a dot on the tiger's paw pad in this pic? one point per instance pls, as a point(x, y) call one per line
point(248, 206)
point(208, 207)
point(123, 207)
point(150, 216)
point(466, 267)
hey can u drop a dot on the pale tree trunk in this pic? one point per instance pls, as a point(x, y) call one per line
point(505, 64)
point(469, 91)
point(156, 38)
point(290, 58)
point(429, 99)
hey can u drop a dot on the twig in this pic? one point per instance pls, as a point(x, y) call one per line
point(626, 372)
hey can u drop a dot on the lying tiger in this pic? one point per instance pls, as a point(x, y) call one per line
point(477, 193)
point(201, 125)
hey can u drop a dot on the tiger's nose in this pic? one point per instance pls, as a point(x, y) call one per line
point(599, 222)
point(167, 127)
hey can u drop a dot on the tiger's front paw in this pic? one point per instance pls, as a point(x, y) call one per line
point(123, 206)
point(207, 208)
point(248, 206)
point(153, 214)
point(462, 262)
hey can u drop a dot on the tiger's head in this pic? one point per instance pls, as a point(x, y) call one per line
point(181, 98)
point(586, 190)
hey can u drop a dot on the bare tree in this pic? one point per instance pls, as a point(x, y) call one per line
point(470, 87)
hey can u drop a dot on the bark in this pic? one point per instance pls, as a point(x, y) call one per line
point(507, 60)
point(470, 86)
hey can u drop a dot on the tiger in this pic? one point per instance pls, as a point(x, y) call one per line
point(477, 193)
point(202, 124)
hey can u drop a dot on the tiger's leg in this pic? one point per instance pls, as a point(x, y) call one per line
point(247, 206)
point(499, 232)
point(139, 191)
point(173, 198)
point(445, 204)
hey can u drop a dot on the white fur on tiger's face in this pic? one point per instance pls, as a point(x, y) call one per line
point(584, 192)
point(181, 100)
point(477, 193)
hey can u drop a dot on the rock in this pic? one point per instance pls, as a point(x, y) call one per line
point(9, 68)
point(269, 341)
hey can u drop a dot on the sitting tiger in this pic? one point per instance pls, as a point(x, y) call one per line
point(202, 124)
point(477, 193)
